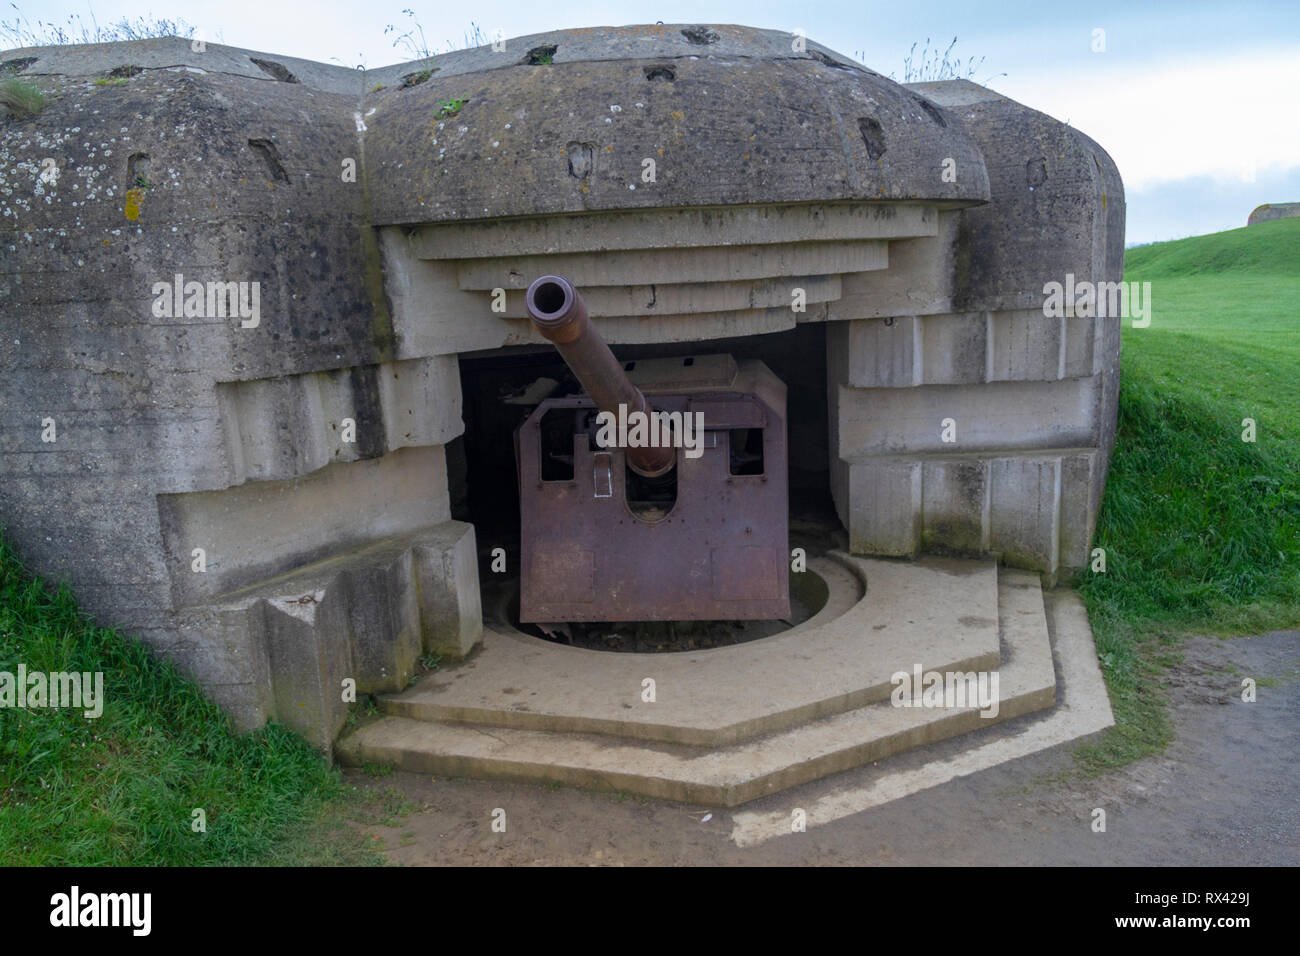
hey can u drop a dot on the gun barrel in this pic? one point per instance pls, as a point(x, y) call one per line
point(558, 312)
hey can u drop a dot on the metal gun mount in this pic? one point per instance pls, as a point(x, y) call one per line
point(694, 529)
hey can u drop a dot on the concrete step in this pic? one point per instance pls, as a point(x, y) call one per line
point(654, 266)
point(661, 329)
point(676, 229)
point(733, 774)
point(688, 299)
point(938, 613)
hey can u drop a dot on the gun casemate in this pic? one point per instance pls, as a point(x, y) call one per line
point(660, 493)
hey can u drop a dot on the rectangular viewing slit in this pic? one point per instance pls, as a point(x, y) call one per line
point(746, 451)
point(557, 433)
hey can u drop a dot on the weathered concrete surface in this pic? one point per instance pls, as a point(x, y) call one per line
point(1056, 202)
point(742, 119)
point(1273, 210)
point(1082, 709)
point(729, 694)
point(184, 429)
point(364, 614)
point(377, 227)
point(1022, 470)
point(730, 775)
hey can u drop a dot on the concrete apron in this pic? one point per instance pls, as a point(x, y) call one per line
point(725, 726)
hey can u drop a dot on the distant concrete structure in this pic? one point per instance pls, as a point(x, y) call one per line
point(1273, 210)
point(242, 290)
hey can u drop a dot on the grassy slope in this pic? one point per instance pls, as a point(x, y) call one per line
point(121, 789)
point(1201, 529)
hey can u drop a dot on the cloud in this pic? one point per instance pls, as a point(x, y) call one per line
point(1230, 118)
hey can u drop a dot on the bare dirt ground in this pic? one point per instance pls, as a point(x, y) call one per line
point(1226, 792)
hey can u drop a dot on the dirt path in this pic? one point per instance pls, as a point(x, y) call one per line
point(1227, 791)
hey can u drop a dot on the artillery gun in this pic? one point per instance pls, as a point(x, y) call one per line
point(658, 494)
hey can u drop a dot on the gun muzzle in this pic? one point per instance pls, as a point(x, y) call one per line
point(558, 312)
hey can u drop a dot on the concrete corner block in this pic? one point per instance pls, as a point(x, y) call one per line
point(223, 648)
point(884, 507)
point(1025, 345)
point(383, 623)
point(881, 353)
point(1082, 356)
point(257, 435)
point(307, 648)
point(389, 406)
point(1024, 511)
point(953, 349)
point(430, 310)
point(919, 280)
point(955, 505)
point(1079, 477)
point(451, 609)
point(284, 645)
point(421, 401)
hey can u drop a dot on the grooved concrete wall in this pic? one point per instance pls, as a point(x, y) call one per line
point(387, 235)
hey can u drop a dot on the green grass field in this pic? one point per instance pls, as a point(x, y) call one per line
point(1201, 529)
point(121, 789)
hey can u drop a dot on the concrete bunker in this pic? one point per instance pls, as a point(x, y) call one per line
point(343, 465)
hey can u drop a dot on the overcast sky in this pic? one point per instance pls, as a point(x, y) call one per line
point(1196, 101)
